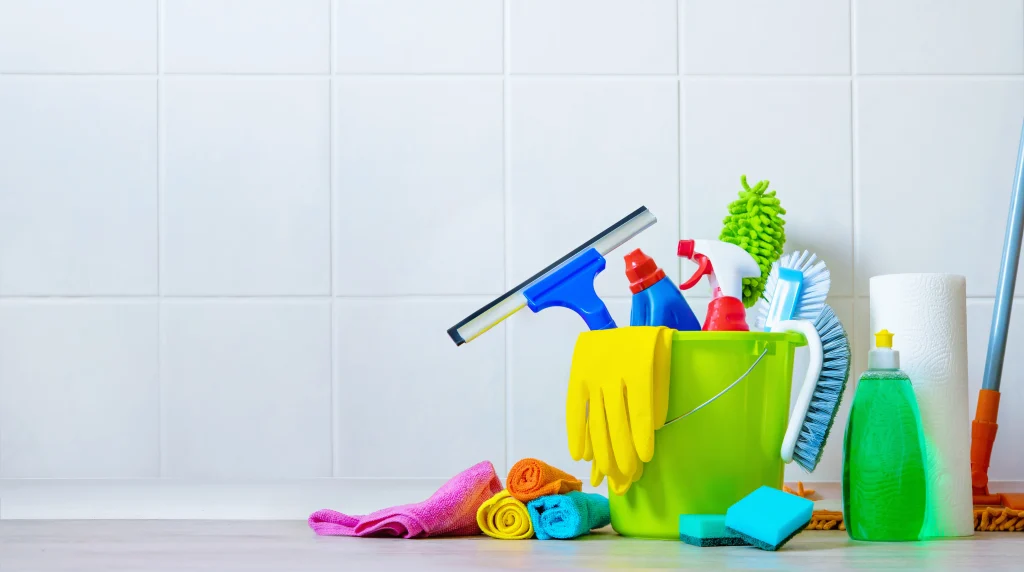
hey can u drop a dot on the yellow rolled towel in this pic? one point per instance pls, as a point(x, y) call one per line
point(505, 518)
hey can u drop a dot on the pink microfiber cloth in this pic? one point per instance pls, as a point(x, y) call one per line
point(451, 511)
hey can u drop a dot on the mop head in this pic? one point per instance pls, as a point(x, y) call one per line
point(755, 225)
point(998, 519)
point(835, 371)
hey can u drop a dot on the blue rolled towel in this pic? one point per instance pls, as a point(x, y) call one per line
point(568, 516)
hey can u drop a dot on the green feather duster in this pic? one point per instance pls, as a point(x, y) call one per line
point(755, 224)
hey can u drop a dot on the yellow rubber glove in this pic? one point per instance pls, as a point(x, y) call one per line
point(618, 397)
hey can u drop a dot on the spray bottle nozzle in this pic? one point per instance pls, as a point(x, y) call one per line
point(686, 250)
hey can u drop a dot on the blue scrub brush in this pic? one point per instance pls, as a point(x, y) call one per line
point(828, 392)
point(797, 288)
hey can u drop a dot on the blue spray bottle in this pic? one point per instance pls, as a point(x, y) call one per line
point(656, 300)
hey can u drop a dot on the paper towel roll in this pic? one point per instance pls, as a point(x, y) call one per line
point(928, 315)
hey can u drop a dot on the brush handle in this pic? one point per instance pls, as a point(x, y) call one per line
point(803, 401)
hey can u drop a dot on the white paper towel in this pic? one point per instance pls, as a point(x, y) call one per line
point(928, 315)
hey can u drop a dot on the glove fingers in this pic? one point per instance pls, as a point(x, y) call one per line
point(639, 472)
point(618, 485)
point(619, 481)
point(576, 417)
point(640, 403)
point(618, 428)
point(599, 434)
point(595, 475)
point(588, 447)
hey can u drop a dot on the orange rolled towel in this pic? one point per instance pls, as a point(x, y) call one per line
point(531, 478)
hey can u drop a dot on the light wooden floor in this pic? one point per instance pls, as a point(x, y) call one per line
point(291, 546)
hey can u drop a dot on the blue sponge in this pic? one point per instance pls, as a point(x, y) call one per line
point(768, 518)
point(706, 530)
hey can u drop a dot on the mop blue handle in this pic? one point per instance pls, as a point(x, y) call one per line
point(572, 286)
point(1007, 278)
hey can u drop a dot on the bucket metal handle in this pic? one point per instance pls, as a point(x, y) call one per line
point(720, 393)
point(806, 391)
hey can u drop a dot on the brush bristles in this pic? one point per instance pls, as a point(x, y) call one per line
point(828, 394)
point(816, 283)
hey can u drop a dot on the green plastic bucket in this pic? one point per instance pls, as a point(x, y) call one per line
point(712, 458)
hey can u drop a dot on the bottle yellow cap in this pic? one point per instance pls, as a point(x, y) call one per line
point(883, 339)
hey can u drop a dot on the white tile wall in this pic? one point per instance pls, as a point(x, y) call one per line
point(78, 186)
point(246, 187)
point(438, 201)
point(245, 388)
point(746, 37)
point(232, 233)
point(593, 36)
point(246, 36)
point(939, 36)
point(423, 408)
point(71, 36)
point(79, 395)
point(583, 154)
point(933, 154)
point(416, 37)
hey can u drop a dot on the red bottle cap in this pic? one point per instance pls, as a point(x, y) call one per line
point(641, 271)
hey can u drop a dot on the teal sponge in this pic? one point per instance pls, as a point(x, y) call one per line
point(706, 530)
point(768, 518)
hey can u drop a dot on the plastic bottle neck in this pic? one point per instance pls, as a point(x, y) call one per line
point(883, 358)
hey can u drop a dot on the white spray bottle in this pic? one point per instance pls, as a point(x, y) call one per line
point(726, 266)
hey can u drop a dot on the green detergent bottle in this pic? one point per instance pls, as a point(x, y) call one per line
point(883, 453)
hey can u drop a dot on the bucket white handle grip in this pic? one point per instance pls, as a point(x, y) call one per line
point(803, 401)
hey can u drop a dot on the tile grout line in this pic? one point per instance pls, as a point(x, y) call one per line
point(332, 335)
point(321, 298)
point(854, 140)
point(240, 76)
point(161, 166)
point(506, 93)
point(680, 131)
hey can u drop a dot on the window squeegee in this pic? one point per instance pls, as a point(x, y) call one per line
point(568, 282)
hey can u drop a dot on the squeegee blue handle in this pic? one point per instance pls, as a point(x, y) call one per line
point(572, 286)
point(1007, 278)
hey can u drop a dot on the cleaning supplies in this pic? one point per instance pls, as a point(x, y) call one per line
point(929, 311)
point(618, 397)
point(504, 518)
point(705, 462)
point(822, 392)
point(568, 516)
point(572, 287)
point(755, 224)
point(706, 530)
point(565, 285)
point(769, 518)
point(532, 478)
point(797, 288)
point(656, 300)
point(726, 266)
point(883, 460)
point(451, 511)
point(983, 429)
